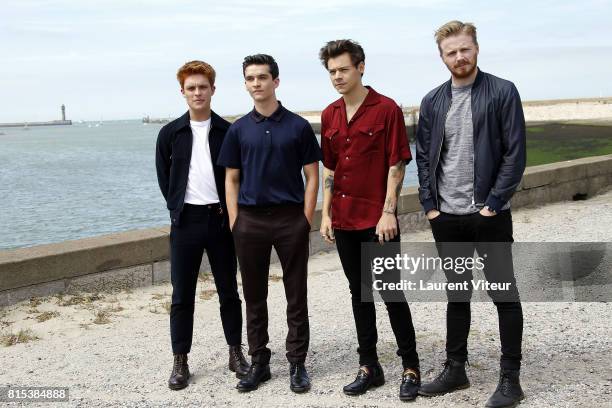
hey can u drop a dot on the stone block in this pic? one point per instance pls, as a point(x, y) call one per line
point(161, 271)
point(38, 290)
point(117, 279)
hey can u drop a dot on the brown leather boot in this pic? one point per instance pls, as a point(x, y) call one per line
point(180, 373)
point(237, 362)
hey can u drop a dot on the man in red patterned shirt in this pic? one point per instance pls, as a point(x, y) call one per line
point(365, 152)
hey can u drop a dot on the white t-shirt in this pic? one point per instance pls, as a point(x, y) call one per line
point(201, 187)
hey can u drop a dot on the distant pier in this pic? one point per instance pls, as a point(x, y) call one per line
point(30, 124)
point(62, 122)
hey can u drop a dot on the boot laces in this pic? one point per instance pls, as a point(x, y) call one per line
point(237, 353)
point(505, 383)
point(179, 364)
point(442, 376)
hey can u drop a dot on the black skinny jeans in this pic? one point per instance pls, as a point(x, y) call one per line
point(349, 249)
point(486, 235)
point(202, 227)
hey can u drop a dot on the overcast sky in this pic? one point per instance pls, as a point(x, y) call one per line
point(117, 59)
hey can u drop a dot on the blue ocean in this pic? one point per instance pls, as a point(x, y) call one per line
point(60, 183)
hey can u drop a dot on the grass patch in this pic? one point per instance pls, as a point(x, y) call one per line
point(163, 308)
point(535, 129)
point(204, 277)
point(22, 336)
point(5, 323)
point(80, 299)
point(43, 317)
point(207, 294)
point(275, 278)
point(158, 296)
point(559, 142)
point(101, 317)
point(35, 302)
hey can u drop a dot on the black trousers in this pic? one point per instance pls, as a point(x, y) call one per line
point(364, 313)
point(256, 231)
point(203, 227)
point(491, 236)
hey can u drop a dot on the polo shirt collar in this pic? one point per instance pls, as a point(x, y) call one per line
point(372, 98)
point(276, 116)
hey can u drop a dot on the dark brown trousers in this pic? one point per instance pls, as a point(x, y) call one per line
point(256, 231)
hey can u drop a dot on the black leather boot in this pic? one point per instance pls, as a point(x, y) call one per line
point(368, 376)
point(509, 392)
point(237, 362)
point(411, 381)
point(257, 374)
point(452, 378)
point(180, 373)
point(299, 380)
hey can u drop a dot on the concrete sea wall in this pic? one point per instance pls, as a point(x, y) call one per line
point(140, 258)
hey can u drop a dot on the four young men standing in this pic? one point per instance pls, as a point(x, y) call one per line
point(470, 159)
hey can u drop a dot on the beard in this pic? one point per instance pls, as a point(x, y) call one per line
point(465, 70)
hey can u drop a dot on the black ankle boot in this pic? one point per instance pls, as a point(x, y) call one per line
point(180, 373)
point(299, 380)
point(237, 362)
point(452, 378)
point(257, 374)
point(509, 392)
point(411, 381)
point(368, 376)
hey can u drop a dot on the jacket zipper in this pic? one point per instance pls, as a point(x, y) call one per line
point(440, 153)
point(473, 149)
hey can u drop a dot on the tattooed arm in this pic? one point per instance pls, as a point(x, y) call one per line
point(387, 225)
point(328, 188)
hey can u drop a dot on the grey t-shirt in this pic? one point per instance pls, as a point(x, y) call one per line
point(456, 174)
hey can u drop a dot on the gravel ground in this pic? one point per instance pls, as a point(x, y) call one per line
point(124, 359)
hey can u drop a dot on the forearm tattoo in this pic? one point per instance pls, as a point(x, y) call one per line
point(329, 183)
point(397, 175)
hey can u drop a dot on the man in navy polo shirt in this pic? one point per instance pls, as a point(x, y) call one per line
point(365, 152)
point(264, 153)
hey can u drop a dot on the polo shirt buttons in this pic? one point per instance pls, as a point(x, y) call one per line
point(348, 140)
point(267, 131)
point(370, 133)
point(347, 157)
point(343, 195)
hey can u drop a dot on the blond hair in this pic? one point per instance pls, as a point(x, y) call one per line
point(452, 28)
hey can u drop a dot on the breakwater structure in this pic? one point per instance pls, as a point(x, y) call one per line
point(141, 257)
point(536, 112)
point(61, 122)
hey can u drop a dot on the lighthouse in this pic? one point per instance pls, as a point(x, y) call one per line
point(63, 112)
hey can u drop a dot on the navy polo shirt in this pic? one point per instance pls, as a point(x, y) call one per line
point(270, 153)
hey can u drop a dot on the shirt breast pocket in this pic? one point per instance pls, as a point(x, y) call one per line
point(332, 137)
point(371, 139)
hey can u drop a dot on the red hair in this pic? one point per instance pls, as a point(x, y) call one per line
point(194, 68)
